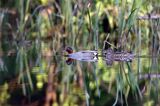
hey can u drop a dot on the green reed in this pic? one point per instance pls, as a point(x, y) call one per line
point(82, 31)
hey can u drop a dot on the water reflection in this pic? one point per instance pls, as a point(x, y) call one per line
point(109, 56)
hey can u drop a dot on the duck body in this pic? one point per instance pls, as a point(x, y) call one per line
point(110, 56)
point(85, 55)
point(123, 56)
point(88, 55)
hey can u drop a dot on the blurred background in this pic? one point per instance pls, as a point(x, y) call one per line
point(35, 33)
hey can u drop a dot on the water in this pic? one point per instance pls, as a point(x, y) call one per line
point(89, 75)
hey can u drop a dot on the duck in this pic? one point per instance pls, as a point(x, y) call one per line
point(83, 55)
point(110, 56)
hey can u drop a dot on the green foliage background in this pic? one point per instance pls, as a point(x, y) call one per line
point(34, 34)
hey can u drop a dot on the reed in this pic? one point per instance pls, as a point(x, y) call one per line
point(44, 28)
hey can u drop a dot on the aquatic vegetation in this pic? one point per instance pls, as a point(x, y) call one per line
point(36, 37)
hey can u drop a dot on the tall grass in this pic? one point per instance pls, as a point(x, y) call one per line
point(52, 27)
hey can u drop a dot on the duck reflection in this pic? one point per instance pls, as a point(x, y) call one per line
point(109, 56)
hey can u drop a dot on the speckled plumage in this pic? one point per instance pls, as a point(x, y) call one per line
point(111, 56)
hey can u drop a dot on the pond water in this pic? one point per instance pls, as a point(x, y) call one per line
point(126, 77)
point(92, 77)
point(84, 77)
